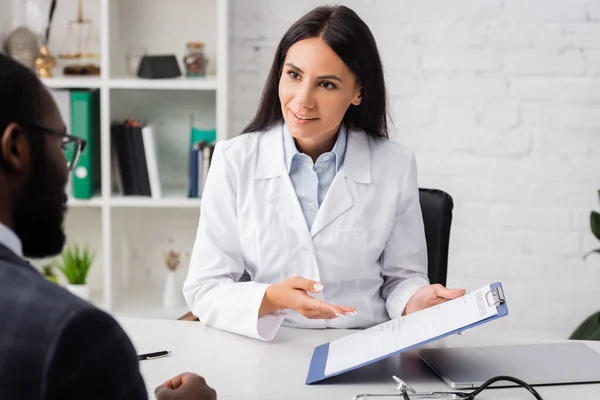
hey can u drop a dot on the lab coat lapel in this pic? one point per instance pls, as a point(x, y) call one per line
point(337, 201)
point(284, 201)
point(282, 198)
point(357, 168)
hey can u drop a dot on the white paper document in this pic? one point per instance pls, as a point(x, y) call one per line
point(407, 331)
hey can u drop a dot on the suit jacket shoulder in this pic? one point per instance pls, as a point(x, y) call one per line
point(50, 337)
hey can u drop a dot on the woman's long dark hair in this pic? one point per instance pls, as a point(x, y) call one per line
point(353, 42)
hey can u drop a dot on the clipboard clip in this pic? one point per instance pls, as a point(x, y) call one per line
point(495, 297)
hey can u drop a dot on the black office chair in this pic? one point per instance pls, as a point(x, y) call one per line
point(436, 207)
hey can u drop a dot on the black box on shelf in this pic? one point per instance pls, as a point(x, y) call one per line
point(158, 67)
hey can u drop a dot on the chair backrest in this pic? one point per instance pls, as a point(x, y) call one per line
point(436, 207)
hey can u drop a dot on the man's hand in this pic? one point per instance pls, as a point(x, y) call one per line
point(292, 293)
point(429, 296)
point(186, 386)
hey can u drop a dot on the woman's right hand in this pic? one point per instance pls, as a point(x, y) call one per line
point(292, 293)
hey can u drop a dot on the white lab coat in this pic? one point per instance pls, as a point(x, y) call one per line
point(366, 246)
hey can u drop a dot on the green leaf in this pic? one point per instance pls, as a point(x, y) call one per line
point(75, 263)
point(591, 252)
point(595, 224)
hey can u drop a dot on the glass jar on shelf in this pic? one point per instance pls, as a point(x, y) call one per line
point(194, 60)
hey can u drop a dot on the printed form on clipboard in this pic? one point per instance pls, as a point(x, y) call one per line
point(401, 334)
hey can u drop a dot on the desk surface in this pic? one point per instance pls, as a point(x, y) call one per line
point(242, 368)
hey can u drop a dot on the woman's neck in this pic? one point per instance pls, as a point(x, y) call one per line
point(314, 147)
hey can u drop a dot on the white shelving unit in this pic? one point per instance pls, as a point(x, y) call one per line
point(73, 83)
point(208, 83)
point(161, 27)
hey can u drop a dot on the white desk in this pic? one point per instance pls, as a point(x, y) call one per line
point(242, 368)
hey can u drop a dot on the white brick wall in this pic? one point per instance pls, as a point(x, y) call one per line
point(501, 101)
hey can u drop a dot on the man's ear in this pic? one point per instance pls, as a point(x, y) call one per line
point(357, 98)
point(14, 149)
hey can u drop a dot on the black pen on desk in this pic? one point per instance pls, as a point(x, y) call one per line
point(152, 356)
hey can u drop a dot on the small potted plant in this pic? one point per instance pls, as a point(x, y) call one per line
point(75, 263)
point(48, 271)
point(595, 227)
point(590, 328)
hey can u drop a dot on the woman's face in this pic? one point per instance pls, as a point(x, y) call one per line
point(315, 90)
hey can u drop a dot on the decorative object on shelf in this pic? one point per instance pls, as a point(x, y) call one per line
point(195, 60)
point(44, 62)
point(133, 58)
point(82, 43)
point(48, 271)
point(158, 67)
point(23, 45)
point(172, 295)
point(75, 263)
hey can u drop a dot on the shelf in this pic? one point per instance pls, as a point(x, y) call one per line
point(72, 82)
point(93, 202)
point(182, 83)
point(137, 201)
point(148, 202)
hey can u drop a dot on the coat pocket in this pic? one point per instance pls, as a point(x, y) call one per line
point(277, 248)
point(351, 255)
point(269, 252)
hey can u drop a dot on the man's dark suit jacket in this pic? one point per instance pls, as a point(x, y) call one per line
point(54, 345)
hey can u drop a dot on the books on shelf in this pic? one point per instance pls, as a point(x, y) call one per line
point(136, 169)
point(200, 158)
point(151, 161)
point(134, 159)
point(202, 145)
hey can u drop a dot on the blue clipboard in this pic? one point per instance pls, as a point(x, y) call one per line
point(316, 370)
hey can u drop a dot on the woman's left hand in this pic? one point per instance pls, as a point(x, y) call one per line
point(429, 296)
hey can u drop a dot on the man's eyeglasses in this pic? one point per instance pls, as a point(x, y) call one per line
point(72, 146)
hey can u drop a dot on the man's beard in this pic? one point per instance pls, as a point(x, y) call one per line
point(40, 209)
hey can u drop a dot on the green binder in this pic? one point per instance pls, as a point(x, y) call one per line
point(85, 123)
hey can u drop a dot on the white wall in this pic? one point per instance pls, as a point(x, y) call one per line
point(500, 100)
